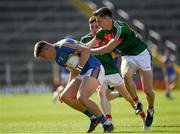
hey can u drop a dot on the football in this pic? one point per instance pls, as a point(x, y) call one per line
point(73, 61)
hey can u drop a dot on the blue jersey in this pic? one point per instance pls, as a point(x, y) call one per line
point(169, 68)
point(65, 48)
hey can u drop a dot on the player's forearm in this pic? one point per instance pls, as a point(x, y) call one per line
point(105, 49)
point(71, 76)
point(92, 43)
point(100, 50)
point(84, 57)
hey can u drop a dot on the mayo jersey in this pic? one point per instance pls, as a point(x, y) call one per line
point(130, 45)
point(105, 59)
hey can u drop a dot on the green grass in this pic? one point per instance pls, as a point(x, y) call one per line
point(37, 114)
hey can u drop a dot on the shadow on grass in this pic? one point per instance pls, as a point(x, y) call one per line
point(150, 131)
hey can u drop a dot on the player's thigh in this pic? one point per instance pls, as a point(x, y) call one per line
point(71, 88)
point(122, 89)
point(147, 79)
point(88, 86)
point(128, 68)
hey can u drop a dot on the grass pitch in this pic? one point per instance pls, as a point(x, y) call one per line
point(37, 114)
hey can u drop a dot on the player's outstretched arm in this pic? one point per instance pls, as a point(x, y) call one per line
point(92, 43)
point(107, 48)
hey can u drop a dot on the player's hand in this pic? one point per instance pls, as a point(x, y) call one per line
point(75, 71)
point(60, 100)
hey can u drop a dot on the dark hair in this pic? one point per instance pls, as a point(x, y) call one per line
point(38, 48)
point(92, 19)
point(102, 12)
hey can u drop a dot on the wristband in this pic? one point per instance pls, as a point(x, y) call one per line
point(79, 68)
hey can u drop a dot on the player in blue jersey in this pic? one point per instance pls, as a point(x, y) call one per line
point(84, 78)
point(169, 72)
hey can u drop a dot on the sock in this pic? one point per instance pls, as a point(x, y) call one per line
point(109, 117)
point(89, 114)
point(135, 99)
point(103, 120)
point(142, 114)
point(150, 107)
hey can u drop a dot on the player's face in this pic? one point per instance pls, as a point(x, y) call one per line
point(102, 22)
point(93, 27)
point(46, 53)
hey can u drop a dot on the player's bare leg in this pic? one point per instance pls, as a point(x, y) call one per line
point(69, 94)
point(105, 105)
point(123, 91)
point(128, 69)
point(147, 82)
point(111, 95)
point(84, 93)
point(170, 85)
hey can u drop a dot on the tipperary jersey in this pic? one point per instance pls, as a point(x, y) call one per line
point(65, 48)
point(168, 61)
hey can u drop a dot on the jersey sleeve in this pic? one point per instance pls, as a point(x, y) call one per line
point(121, 31)
point(69, 45)
point(83, 40)
point(118, 29)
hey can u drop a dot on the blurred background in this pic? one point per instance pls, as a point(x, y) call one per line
point(24, 22)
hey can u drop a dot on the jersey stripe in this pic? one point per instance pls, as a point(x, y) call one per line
point(118, 29)
point(74, 46)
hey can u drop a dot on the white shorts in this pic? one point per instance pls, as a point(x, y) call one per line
point(100, 76)
point(114, 80)
point(142, 60)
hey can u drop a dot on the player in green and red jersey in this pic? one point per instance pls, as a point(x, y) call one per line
point(113, 78)
point(135, 56)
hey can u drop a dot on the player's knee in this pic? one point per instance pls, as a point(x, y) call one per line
point(64, 97)
point(127, 76)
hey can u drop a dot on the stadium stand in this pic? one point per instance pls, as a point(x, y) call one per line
point(158, 15)
point(25, 22)
point(160, 20)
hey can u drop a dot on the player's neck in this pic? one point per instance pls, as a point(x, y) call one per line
point(53, 53)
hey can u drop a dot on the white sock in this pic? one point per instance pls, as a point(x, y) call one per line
point(106, 123)
point(93, 117)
